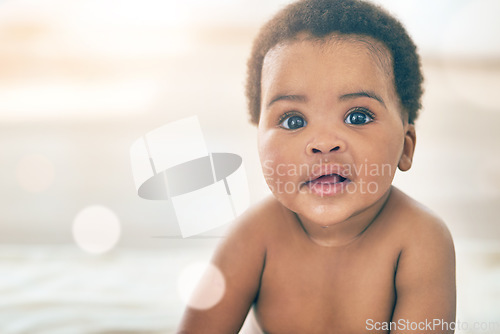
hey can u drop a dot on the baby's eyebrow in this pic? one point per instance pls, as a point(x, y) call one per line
point(363, 93)
point(277, 98)
point(349, 96)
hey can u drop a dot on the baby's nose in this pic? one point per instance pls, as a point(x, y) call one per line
point(322, 148)
point(327, 143)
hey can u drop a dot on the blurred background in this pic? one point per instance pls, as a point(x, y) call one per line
point(81, 80)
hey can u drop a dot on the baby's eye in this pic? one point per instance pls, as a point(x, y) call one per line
point(359, 117)
point(293, 122)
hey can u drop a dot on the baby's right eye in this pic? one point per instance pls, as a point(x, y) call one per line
point(292, 122)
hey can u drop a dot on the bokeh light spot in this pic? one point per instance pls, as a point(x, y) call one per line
point(96, 229)
point(35, 173)
point(201, 285)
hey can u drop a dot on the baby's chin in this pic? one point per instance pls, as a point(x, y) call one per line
point(323, 215)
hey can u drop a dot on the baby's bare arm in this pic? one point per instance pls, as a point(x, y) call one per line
point(425, 281)
point(240, 259)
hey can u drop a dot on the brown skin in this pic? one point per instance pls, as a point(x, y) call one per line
point(329, 263)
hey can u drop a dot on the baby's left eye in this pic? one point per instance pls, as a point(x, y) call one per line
point(358, 117)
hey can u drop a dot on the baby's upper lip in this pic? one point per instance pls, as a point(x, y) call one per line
point(327, 169)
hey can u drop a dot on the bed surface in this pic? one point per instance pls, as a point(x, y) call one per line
point(62, 290)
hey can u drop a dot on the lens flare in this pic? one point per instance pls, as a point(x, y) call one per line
point(96, 229)
point(201, 285)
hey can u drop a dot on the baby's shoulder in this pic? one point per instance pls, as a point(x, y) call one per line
point(259, 222)
point(425, 263)
point(411, 222)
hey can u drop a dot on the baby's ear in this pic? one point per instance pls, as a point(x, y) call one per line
point(408, 148)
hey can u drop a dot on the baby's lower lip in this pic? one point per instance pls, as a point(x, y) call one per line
point(327, 185)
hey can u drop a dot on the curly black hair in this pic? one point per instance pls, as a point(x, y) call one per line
point(346, 17)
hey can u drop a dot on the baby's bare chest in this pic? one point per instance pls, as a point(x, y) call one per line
point(304, 290)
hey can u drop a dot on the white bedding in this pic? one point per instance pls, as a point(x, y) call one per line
point(62, 290)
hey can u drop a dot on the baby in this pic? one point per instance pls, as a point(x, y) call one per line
point(334, 87)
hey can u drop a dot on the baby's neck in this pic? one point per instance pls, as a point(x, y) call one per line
point(347, 231)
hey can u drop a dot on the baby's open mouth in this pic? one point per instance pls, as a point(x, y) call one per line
point(327, 184)
point(328, 179)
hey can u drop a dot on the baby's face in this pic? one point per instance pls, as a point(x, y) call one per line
point(330, 134)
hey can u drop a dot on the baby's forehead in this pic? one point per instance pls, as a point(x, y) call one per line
point(365, 63)
point(358, 43)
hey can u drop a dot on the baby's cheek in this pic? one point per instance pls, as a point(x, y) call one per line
point(275, 168)
point(374, 174)
point(271, 156)
point(267, 167)
point(279, 172)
